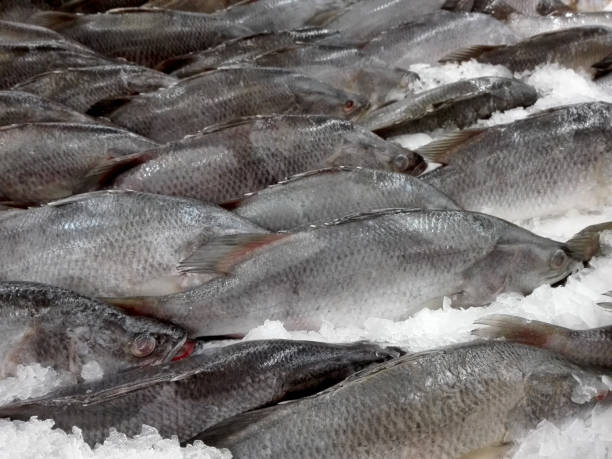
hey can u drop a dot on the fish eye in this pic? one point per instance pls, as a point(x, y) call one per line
point(558, 259)
point(400, 162)
point(349, 105)
point(143, 345)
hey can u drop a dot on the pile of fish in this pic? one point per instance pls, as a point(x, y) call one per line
point(176, 172)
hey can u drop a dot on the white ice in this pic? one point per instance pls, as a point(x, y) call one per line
point(572, 305)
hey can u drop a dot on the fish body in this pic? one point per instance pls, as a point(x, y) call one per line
point(225, 162)
point(196, 6)
point(444, 403)
point(528, 26)
point(183, 397)
point(503, 8)
point(18, 107)
point(322, 196)
point(226, 94)
point(57, 328)
point(546, 164)
point(111, 243)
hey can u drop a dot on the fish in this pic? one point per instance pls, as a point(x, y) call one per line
point(81, 88)
point(527, 26)
point(196, 6)
point(325, 195)
point(20, 33)
point(47, 161)
point(20, 61)
point(591, 347)
point(145, 36)
point(111, 242)
point(580, 48)
point(182, 398)
point(505, 7)
point(98, 6)
point(240, 50)
point(18, 107)
point(431, 37)
point(195, 103)
point(57, 328)
point(444, 403)
point(226, 161)
point(387, 264)
point(454, 105)
point(522, 170)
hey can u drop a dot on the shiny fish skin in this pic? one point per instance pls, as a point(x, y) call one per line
point(111, 243)
point(503, 7)
point(19, 33)
point(255, 152)
point(98, 6)
point(143, 36)
point(455, 105)
point(45, 161)
point(240, 49)
point(229, 93)
point(196, 6)
point(182, 398)
point(430, 37)
point(527, 26)
point(441, 404)
point(388, 265)
point(58, 328)
point(80, 88)
point(22, 107)
point(326, 195)
point(547, 164)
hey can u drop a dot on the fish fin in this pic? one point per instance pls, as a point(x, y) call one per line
point(137, 305)
point(134, 9)
point(177, 62)
point(440, 150)
point(606, 304)
point(497, 8)
point(465, 54)
point(516, 329)
point(241, 121)
point(223, 253)
point(322, 18)
point(105, 107)
point(108, 169)
point(54, 20)
point(584, 245)
point(490, 452)
point(603, 67)
point(84, 196)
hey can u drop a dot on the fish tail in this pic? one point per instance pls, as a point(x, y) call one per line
point(517, 329)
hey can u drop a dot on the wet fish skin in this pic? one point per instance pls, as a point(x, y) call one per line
point(443, 403)
point(140, 35)
point(20, 33)
point(142, 238)
point(183, 397)
point(46, 161)
point(240, 50)
point(58, 328)
point(510, 170)
point(193, 104)
point(247, 155)
point(22, 107)
point(430, 37)
point(387, 264)
point(98, 6)
point(81, 88)
point(455, 105)
point(528, 26)
point(196, 6)
point(505, 7)
point(322, 196)
point(590, 347)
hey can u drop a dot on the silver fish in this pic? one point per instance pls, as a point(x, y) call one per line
point(22, 107)
point(226, 161)
point(229, 93)
point(325, 195)
point(197, 6)
point(111, 242)
point(387, 264)
point(183, 398)
point(547, 164)
point(58, 328)
point(501, 8)
point(527, 26)
point(46, 161)
point(444, 403)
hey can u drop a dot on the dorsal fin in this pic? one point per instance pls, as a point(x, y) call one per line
point(54, 20)
point(85, 196)
point(584, 245)
point(465, 54)
point(441, 150)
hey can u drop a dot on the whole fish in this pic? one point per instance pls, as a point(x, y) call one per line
point(547, 164)
point(240, 49)
point(325, 195)
point(581, 48)
point(584, 347)
point(60, 329)
point(454, 105)
point(387, 264)
point(141, 35)
point(20, 61)
point(110, 242)
point(82, 87)
point(197, 6)
point(527, 26)
point(501, 8)
point(229, 93)
point(429, 38)
point(444, 403)
point(22, 107)
point(224, 162)
point(184, 397)
point(46, 161)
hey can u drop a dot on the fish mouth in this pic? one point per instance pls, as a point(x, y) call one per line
point(185, 350)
